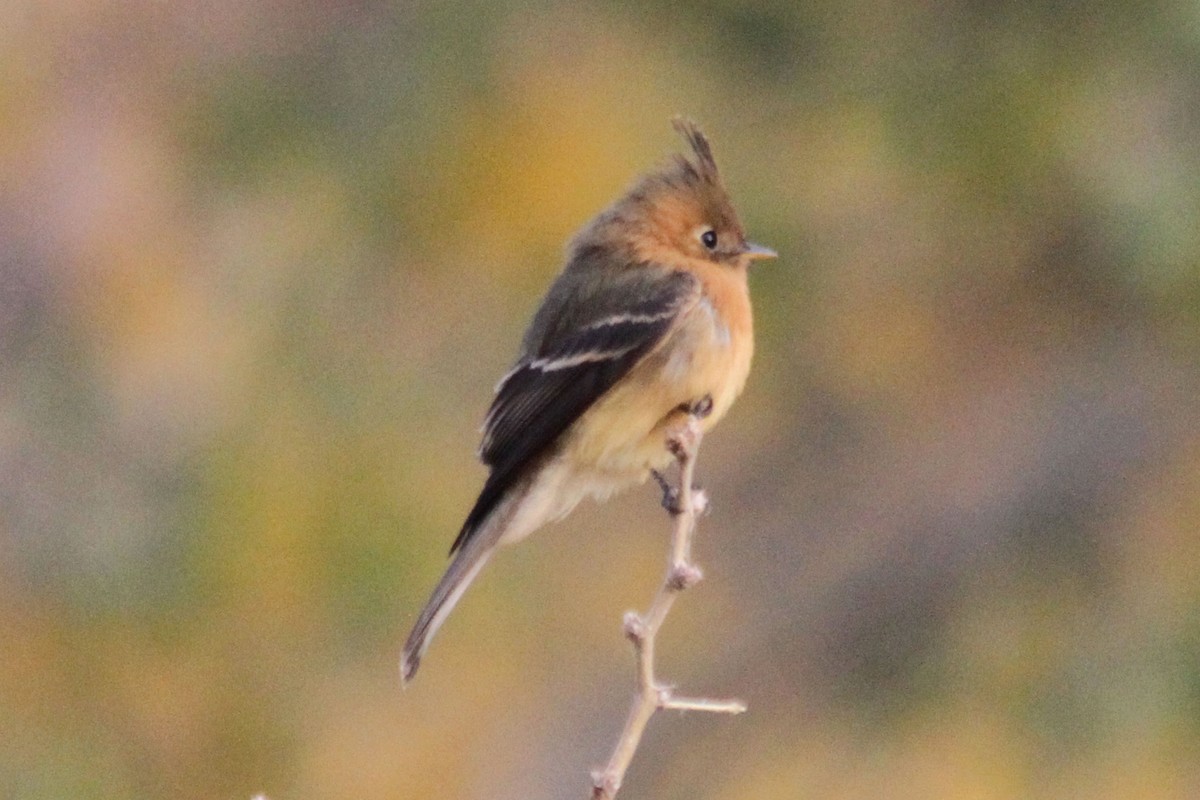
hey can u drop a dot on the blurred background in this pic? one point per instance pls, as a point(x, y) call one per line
point(262, 263)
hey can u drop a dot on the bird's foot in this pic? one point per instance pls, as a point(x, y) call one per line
point(670, 495)
point(697, 408)
point(671, 500)
point(683, 438)
point(702, 407)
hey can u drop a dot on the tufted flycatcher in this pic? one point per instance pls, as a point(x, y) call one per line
point(648, 322)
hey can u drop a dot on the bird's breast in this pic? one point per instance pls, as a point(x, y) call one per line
point(710, 356)
point(707, 354)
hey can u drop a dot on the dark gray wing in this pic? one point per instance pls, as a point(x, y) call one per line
point(591, 343)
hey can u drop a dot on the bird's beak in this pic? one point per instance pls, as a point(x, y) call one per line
point(757, 251)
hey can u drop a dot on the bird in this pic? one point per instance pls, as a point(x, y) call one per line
point(649, 321)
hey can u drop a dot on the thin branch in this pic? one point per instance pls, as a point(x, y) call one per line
point(642, 630)
point(704, 704)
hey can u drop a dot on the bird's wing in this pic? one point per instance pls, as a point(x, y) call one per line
point(570, 369)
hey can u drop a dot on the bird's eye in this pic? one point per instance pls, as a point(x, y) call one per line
point(709, 239)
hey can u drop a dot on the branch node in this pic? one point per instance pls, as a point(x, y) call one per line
point(634, 627)
point(683, 576)
point(604, 785)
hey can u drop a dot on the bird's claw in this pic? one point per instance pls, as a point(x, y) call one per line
point(671, 500)
point(683, 436)
point(670, 495)
point(683, 440)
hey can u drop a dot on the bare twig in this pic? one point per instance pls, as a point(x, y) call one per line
point(642, 629)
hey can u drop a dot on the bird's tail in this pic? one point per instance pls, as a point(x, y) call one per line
point(463, 569)
point(474, 547)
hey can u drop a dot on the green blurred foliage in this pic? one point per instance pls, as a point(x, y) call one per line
point(263, 262)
